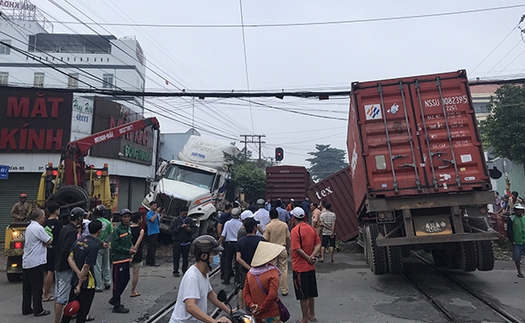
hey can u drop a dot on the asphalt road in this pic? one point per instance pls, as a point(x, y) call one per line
point(349, 292)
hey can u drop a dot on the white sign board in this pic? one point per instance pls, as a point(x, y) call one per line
point(81, 117)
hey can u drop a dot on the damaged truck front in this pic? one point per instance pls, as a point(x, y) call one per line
point(196, 181)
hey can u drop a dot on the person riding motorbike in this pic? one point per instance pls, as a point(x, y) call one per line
point(195, 289)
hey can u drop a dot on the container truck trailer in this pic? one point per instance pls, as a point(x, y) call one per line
point(418, 176)
point(287, 182)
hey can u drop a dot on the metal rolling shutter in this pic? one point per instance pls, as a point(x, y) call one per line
point(123, 192)
point(138, 192)
point(10, 190)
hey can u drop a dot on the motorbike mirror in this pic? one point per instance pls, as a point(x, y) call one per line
point(222, 296)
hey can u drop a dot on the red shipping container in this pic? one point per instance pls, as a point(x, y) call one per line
point(414, 136)
point(287, 182)
point(337, 189)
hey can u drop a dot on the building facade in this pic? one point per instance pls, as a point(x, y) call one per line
point(37, 122)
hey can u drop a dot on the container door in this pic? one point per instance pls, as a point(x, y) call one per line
point(388, 130)
point(452, 153)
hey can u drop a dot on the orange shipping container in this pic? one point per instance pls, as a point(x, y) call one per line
point(414, 136)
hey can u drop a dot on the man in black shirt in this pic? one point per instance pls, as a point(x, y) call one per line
point(63, 273)
point(82, 261)
point(183, 230)
point(53, 225)
point(245, 249)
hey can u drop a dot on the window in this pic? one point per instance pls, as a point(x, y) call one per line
point(107, 81)
point(4, 78)
point(72, 81)
point(39, 80)
point(481, 107)
point(4, 49)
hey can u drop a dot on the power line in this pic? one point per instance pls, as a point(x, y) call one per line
point(492, 51)
point(203, 95)
point(299, 24)
point(72, 15)
point(162, 69)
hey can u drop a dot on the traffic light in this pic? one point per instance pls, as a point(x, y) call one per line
point(279, 154)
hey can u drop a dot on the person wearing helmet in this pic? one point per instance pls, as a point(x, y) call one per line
point(20, 209)
point(63, 272)
point(516, 235)
point(195, 289)
point(102, 267)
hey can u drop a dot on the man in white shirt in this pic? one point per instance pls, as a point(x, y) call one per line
point(262, 215)
point(34, 264)
point(195, 289)
point(229, 240)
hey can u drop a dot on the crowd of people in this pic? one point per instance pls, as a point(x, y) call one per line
point(78, 258)
point(91, 254)
point(303, 230)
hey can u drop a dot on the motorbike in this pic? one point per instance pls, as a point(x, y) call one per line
point(239, 316)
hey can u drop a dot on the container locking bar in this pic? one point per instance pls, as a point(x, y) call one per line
point(389, 145)
point(449, 135)
point(410, 139)
point(427, 139)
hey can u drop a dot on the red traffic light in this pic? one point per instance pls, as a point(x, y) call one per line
point(279, 154)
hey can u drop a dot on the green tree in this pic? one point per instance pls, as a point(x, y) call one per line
point(326, 161)
point(504, 128)
point(248, 175)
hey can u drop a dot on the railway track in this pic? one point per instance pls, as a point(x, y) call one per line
point(164, 313)
point(456, 301)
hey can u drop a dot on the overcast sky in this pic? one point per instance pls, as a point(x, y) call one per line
point(297, 45)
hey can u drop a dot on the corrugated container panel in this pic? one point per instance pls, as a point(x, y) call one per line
point(287, 182)
point(418, 135)
point(358, 176)
point(337, 189)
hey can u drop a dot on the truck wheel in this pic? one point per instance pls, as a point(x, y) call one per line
point(377, 255)
point(394, 254)
point(366, 244)
point(71, 194)
point(14, 277)
point(468, 258)
point(395, 259)
point(440, 257)
point(485, 248)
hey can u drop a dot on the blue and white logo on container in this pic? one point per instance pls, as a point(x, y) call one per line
point(373, 112)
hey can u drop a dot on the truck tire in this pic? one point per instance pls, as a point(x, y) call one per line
point(377, 255)
point(71, 194)
point(366, 244)
point(440, 257)
point(394, 254)
point(468, 256)
point(13, 277)
point(485, 248)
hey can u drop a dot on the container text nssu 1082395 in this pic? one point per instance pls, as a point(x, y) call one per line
point(418, 172)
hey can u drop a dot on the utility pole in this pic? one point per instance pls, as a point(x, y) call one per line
point(254, 139)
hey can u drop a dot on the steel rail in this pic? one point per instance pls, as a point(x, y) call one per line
point(501, 312)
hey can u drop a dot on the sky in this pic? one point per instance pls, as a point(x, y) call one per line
point(267, 46)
